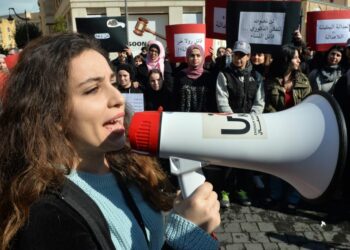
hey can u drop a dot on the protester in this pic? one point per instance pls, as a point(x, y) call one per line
point(124, 57)
point(143, 52)
point(3, 74)
point(286, 87)
point(342, 95)
point(261, 62)
point(156, 60)
point(347, 55)
point(3, 65)
point(67, 178)
point(125, 80)
point(157, 97)
point(217, 62)
point(194, 88)
point(325, 77)
point(138, 60)
point(239, 89)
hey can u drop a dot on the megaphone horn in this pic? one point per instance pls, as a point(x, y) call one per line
point(305, 145)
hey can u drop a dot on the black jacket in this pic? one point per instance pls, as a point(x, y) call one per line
point(67, 219)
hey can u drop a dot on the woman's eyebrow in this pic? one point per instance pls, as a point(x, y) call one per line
point(91, 79)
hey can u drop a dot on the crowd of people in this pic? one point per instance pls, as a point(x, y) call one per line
point(68, 179)
point(238, 79)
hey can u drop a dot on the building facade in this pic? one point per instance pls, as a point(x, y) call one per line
point(158, 12)
point(7, 31)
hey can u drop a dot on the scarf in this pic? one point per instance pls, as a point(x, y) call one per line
point(158, 63)
point(328, 76)
point(193, 72)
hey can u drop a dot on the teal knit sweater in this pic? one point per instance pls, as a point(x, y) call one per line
point(125, 231)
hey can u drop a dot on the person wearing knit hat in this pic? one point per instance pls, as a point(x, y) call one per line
point(125, 79)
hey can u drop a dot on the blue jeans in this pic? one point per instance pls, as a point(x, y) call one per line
point(281, 190)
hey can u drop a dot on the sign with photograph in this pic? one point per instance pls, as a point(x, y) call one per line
point(110, 31)
point(326, 28)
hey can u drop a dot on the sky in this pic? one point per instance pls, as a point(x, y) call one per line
point(18, 5)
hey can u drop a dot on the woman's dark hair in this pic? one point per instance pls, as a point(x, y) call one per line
point(334, 47)
point(282, 60)
point(154, 46)
point(35, 147)
point(127, 68)
point(140, 57)
point(155, 71)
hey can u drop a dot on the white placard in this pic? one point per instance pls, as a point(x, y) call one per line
point(261, 27)
point(182, 41)
point(135, 100)
point(332, 31)
point(219, 20)
point(156, 23)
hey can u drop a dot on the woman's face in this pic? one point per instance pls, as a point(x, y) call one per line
point(334, 57)
point(195, 58)
point(153, 52)
point(138, 61)
point(258, 58)
point(240, 60)
point(155, 81)
point(295, 62)
point(97, 118)
point(124, 79)
point(3, 65)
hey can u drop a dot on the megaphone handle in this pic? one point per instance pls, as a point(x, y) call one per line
point(189, 182)
point(189, 173)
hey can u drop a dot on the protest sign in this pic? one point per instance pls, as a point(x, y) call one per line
point(326, 28)
point(180, 36)
point(215, 18)
point(266, 25)
point(110, 31)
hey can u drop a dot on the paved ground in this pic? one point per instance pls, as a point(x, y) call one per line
point(260, 228)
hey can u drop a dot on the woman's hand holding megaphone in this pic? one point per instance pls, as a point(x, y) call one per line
point(202, 207)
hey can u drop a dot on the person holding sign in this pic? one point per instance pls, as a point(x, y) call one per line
point(68, 179)
point(239, 89)
point(327, 75)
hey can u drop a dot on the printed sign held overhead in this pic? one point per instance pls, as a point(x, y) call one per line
point(181, 36)
point(326, 28)
point(215, 18)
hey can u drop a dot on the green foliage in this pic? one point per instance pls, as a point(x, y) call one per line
point(21, 33)
point(60, 25)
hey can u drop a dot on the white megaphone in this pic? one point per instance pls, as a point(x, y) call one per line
point(305, 145)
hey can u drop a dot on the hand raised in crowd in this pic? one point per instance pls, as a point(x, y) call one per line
point(202, 207)
point(128, 51)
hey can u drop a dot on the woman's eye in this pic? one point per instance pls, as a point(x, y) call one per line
point(91, 91)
